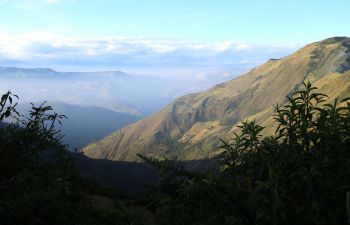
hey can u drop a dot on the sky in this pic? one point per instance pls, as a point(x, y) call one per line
point(146, 35)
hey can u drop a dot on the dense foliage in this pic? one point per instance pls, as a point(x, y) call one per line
point(299, 176)
point(38, 182)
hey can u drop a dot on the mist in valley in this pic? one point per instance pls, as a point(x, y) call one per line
point(99, 103)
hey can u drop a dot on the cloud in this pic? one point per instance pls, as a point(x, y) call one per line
point(33, 4)
point(29, 1)
point(52, 1)
point(56, 50)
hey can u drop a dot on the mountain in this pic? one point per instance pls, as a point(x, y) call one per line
point(140, 95)
point(78, 88)
point(23, 73)
point(190, 126)
point(85, 124)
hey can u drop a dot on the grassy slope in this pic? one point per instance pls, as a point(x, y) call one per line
point(190, 126)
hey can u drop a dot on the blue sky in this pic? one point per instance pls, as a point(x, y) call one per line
point(108, 33)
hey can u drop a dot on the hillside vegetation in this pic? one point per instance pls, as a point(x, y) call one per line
point(299, 176)
point(38, 181)
point(190, 126)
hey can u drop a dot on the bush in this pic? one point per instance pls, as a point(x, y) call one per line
point(38, 181)
point(299, 176)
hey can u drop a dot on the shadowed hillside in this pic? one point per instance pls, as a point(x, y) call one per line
point(126, 176)
point(85, 123)
point(190, 126)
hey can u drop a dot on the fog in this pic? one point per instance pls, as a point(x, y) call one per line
point(99, 103)
point(139, 95)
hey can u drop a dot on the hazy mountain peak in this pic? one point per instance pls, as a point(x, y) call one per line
point(32, 70)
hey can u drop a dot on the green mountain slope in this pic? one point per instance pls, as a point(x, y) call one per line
point(190, 126)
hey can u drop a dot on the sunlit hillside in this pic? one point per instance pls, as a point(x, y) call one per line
point(190, 126)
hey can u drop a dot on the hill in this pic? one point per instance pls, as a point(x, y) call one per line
point(190, 126)
point(85, 124)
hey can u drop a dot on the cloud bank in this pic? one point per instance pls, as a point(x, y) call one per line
point(43, 49)
point(30, 2)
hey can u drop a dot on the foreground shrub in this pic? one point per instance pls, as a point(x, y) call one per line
point(299, 176)
point(38, 181)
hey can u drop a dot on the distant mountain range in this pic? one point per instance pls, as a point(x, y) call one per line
point(98, 103)
point(190, 126)
point(140, 95)
point(85, 123)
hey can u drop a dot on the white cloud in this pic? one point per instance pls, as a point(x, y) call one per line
point(226, 74)
point(200, 76)
point(52, 1)
point(33, 4)
point(57, 50)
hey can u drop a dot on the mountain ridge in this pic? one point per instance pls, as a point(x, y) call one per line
point(84, 123)
point(116, 90)
point(189, 127)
